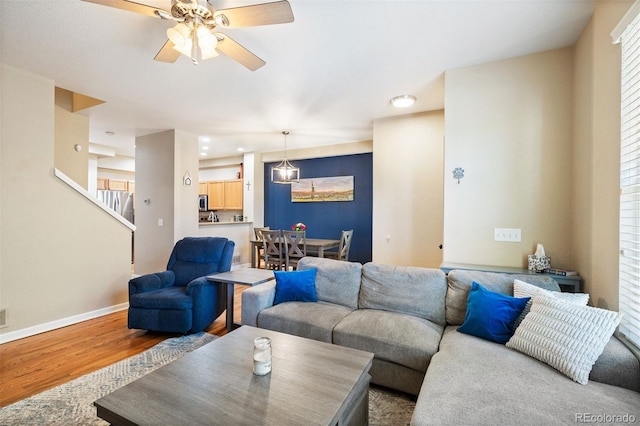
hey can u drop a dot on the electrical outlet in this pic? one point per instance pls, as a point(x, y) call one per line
point(507, 234)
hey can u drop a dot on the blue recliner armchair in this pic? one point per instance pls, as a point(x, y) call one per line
point(180, 299)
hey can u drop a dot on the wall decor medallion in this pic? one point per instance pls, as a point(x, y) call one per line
point(458, 173)
point(320, 189)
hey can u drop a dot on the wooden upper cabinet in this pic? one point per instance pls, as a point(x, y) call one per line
point(118, 185)
point(215, 191)
point(202, 188)
point(225, 194)
point(103, 183)
point(233, 194)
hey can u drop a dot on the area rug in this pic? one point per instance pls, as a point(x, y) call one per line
point(72, 402)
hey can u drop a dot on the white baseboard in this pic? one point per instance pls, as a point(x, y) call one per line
point(52, 325)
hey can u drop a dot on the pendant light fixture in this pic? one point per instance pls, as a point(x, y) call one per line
point(285, 172)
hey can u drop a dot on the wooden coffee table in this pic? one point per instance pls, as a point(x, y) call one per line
point(311, 383)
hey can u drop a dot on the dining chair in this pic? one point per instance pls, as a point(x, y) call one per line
point(295, 247)
point(272, 249)
point(343, 247)
point(257, 231)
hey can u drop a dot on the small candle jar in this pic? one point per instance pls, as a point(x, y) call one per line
point(261, 356)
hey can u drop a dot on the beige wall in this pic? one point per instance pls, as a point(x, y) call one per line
point(508, 125)
point(71, 129)
point(596, 155)
point(62, 257)
point(407, 184)
point(185, 196)
point(155, 181)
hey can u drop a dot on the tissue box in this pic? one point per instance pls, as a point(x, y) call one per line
point(539, 263)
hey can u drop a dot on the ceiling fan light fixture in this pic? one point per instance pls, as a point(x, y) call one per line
point(221, 20)
point(403, 101)
point(181, 38)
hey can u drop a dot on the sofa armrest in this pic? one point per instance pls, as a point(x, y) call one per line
point(150, 282)
point(256, 299)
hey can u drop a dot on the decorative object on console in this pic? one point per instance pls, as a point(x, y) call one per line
point(458, 173)
point(539, 262)
point(194, 35)
point(562, 272)
point(285, 172)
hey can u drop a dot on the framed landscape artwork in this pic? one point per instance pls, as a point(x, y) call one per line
point(336, 188)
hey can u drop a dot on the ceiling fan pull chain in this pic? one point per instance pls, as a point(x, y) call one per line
point(194, 44)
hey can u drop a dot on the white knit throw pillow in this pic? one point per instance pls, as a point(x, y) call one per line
point(568, 337)
point(523, 289)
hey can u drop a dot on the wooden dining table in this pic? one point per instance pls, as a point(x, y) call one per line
point(317, 247)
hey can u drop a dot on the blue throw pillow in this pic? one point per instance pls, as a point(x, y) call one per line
point(295, 286)
point(491, 315)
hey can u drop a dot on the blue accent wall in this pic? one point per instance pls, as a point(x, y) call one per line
point(326, 219)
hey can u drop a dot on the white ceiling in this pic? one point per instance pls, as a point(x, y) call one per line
point(328, 75)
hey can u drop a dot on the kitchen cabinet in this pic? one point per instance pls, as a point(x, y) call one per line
point(225, 194)
point(202, 188)
point(215, 191)
point(103, 183)
point(233, 194)
point(117, 185)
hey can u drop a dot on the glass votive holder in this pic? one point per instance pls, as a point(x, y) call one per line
point(261, 356)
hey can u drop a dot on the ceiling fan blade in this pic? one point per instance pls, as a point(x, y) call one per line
point(278, 12)
point(130, 6)
point(167, 53)
point(236, 51)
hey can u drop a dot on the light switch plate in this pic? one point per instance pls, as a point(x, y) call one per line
point(511, 235)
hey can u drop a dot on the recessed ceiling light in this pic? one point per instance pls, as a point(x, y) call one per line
point(205, 139)
point(240, 149)
point(403, 101)
point(202, 154)
point(205, 148)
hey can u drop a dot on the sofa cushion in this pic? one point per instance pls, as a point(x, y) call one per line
point(617, 366)
point(399, 338)
point(336, 281)
point(491, 315)
point(311, 320)
point(471, 381)
point(459, 283)
point(295, 286)
point(404, 289)
point(568, 337)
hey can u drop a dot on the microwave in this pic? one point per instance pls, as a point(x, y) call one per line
point(203, 203)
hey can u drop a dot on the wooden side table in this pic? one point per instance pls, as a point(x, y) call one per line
point(571, 283)
point(243, 276)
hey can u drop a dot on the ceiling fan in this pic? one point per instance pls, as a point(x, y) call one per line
point(195, 33)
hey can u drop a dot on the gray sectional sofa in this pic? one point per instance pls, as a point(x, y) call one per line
point(407, 316)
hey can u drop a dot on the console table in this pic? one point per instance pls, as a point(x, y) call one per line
point(571, 283)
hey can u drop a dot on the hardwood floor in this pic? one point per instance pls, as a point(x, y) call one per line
point(37, 363)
